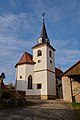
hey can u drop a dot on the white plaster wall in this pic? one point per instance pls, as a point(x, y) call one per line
point(50, 66)
point(40, 77)
point(51, 83)
point(23, 70)
point(21, 85)
point(29, 70)
point(43, 64)
point(45, 59)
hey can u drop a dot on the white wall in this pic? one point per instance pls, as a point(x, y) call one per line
point(51, 66)
point(41, 71)
point(40, 77)
point(43, 64)
point(23, 70)
point(45, 59)
point(51, 83)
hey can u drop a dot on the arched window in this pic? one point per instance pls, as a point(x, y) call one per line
point(30, 82)
point(39, 53)
point(50, 54)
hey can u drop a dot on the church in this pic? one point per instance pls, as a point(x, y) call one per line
point(35, 74)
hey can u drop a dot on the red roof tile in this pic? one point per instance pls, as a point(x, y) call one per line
point(26, 59)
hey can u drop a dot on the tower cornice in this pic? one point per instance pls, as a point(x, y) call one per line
point(41, 45)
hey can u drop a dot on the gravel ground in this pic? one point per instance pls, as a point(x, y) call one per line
point(45, 110)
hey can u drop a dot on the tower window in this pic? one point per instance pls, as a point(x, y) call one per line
point(50, 61)
point(20, 76)
point(50, 54)
point(39, 53)
point(38, 86)
point(30, 82)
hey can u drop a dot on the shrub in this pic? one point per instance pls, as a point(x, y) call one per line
point(5, 94)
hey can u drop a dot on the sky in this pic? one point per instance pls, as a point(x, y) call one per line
point(20, 27)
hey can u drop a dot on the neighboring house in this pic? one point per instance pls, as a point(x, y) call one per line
point(35, 73)
point(58, 73)
point(71, 83)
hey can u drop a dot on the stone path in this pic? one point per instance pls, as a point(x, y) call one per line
point(44, 110)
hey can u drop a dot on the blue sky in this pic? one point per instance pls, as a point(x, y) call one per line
point(20, 27)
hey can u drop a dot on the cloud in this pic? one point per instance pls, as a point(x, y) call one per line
point(67, 53)
point(20, 25)
point(11, 50)
point(13, 3)
point(11, 47)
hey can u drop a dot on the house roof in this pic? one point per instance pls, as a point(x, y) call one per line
point(26, 59)
point(73, 70)
point(58, 72)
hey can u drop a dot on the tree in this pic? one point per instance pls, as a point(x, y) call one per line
point(2, 76)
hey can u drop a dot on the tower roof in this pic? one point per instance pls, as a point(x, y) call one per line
point(43, 31)
point(26, 59)
point(43, 39)
point(43, 34)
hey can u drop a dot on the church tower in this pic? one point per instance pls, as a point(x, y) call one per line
point(35, 74)
point(44, 67)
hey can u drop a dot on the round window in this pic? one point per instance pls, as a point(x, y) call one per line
point(39, 61)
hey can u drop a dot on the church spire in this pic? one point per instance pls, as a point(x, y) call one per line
point(43, 34)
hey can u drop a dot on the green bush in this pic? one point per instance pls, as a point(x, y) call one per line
point(12, 98)
point(5, 95)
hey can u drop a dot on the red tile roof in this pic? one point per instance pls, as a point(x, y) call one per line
point(26, 59)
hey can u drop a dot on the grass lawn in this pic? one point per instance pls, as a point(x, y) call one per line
point(75, 105)
point(76, 109)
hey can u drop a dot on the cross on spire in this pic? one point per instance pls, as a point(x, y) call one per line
point(43, 15)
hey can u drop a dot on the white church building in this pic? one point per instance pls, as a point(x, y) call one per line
point(35, 74)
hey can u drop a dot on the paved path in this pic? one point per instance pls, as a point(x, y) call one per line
point(45, 110)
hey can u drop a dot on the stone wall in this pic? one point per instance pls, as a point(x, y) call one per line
point(71, 89)
point(76, 91)
point(40, 97)
point(66, 86)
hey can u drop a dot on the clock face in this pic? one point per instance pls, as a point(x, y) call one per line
point(40, 40)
